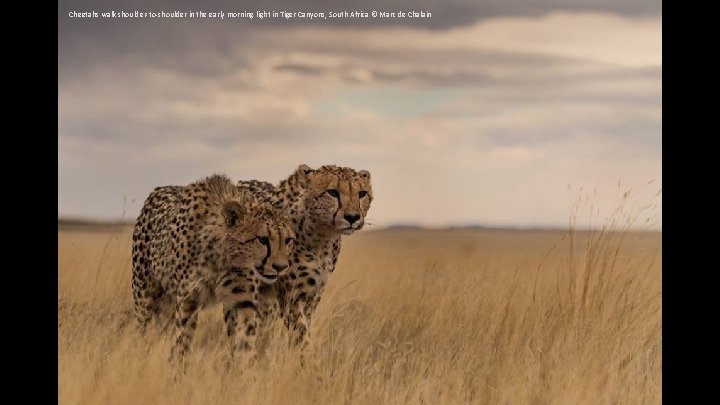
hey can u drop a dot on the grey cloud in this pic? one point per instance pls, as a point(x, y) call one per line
point(299, 68)
point(557, 83)
point(437, 66)
point(116, 129)
point(84, 42)
point(199, 46)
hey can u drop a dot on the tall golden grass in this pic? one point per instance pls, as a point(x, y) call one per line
point(433, 317)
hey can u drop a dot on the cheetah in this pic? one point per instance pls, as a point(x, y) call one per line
point(202, 244)
point(324, 204)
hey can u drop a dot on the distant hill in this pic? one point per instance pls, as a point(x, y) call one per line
point(505, 228)
point(72, 224)
point(407, 227)
point(471, 228)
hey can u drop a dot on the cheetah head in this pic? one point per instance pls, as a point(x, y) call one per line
point(336, 198)
point(260, 238)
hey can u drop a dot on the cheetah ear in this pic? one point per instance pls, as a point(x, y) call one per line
point(364, 174)
point(233, 212)
point(303, 174)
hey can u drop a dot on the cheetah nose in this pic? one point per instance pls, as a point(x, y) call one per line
point(279, 266)
point(352, 218)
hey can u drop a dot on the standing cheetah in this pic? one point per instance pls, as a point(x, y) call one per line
point(323, 204)
point(202, 244)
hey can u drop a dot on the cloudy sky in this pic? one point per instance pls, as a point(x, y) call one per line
point(483, 113)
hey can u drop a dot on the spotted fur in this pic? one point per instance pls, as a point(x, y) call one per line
point(206, 243)
point(323, 205)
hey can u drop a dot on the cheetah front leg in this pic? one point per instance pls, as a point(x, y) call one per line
point(298, 324)
point(298, 319)
point(186, 317)
point(238, 290)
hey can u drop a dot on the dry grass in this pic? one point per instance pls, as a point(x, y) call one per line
point(408, 317)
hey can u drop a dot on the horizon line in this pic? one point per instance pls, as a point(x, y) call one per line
point(94, 223)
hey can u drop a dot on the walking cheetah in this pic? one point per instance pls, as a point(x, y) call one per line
point(323, 204)
point(206, 243)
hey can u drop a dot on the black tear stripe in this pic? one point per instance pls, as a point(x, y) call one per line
point(360, 210)
point(267, 255)
point(337, 210)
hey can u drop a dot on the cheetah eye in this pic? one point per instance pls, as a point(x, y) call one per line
point(333, 193)
point(362, 194)
point(264, 240)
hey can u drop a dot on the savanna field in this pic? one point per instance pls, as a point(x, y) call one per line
point(409, 316)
